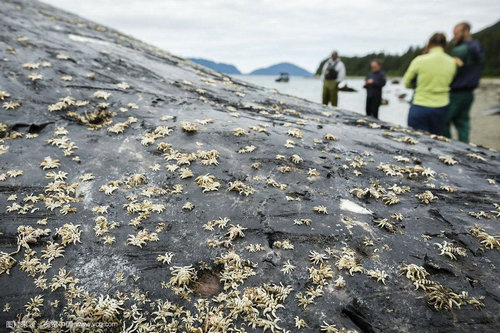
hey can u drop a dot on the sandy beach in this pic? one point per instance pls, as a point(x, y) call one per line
point(485, 129)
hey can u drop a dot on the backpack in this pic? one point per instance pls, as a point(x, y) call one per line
point(331, 73)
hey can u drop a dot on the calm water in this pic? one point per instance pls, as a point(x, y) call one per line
point(310, 88)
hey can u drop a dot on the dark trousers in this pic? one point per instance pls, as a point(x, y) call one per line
point(427, 119)
point(372, 105)
point(330, 92)
point(458, 114)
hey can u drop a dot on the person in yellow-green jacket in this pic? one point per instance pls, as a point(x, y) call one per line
point(430, 75)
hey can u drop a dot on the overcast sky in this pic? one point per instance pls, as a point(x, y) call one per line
point(258, 33)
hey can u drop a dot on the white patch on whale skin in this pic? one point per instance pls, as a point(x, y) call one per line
point(353, 207)
point(78, 38)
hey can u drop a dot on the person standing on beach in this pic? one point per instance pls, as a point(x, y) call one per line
point(469, 56)
point(332, 73)
point(373, 85)
point(430, 75)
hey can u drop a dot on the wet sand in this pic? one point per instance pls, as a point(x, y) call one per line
point(485, 129)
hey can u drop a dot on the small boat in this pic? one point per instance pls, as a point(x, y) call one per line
point(284, 77)
point(344, 87)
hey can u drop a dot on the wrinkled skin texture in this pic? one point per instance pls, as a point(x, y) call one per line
point(157, 86)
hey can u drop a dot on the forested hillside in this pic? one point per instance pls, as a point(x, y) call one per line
point(396, 65)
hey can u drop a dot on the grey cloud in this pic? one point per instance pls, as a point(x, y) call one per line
point(255, 33)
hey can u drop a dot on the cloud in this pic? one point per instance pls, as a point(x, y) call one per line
point(257, 33)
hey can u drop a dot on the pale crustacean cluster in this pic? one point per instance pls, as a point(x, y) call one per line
point(221, 207)
point(439, 296)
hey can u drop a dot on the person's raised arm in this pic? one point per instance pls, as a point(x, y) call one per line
point(410, 74)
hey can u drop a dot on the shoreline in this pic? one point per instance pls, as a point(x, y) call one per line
point(484, 127)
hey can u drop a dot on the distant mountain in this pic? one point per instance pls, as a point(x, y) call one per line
point(217, 66)
point(284, 67)
point(396, 65)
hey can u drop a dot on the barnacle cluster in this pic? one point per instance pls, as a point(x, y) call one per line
point(158, 133)
point(247, 149)
point(480, 214)
point(235, 231)
point(241, 188)
point(489, 241)
point(390, 199)
point(189, 126)
point(10, 105)
point(320, 209)
point(296, 159)
point(239, 131)
point(61, 141)
point(295, 132)
point(377, 274)
point(387, 225)
point(208, 183)
point(142, 238)
point(411, 171)
point(220, 223)
point(448, 188)
point(217, 294)
point(306, 222)
point(136, 179)
point(496, 212)
point(143, 209)
point(407, 139)
point(449, 160)
point(182, 276)
point(426, 197)
point(439, 296)
point(103, 227)
point(165, 258)
point(329, 137)
point(375, 191)
point(208, 157)
point(288, 267)
point(121, 127)
point(285, 245)
point(349, 262)
point(450, 250)
point(476, 157)
point(50, 163)
point(6, 262)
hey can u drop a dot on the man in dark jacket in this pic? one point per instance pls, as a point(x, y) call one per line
point(469, 56)
point(373, 85)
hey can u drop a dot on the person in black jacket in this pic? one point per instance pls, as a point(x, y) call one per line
point(469, 56)
point(373, 85)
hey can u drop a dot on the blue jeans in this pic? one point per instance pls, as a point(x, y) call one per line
point(428, 119)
